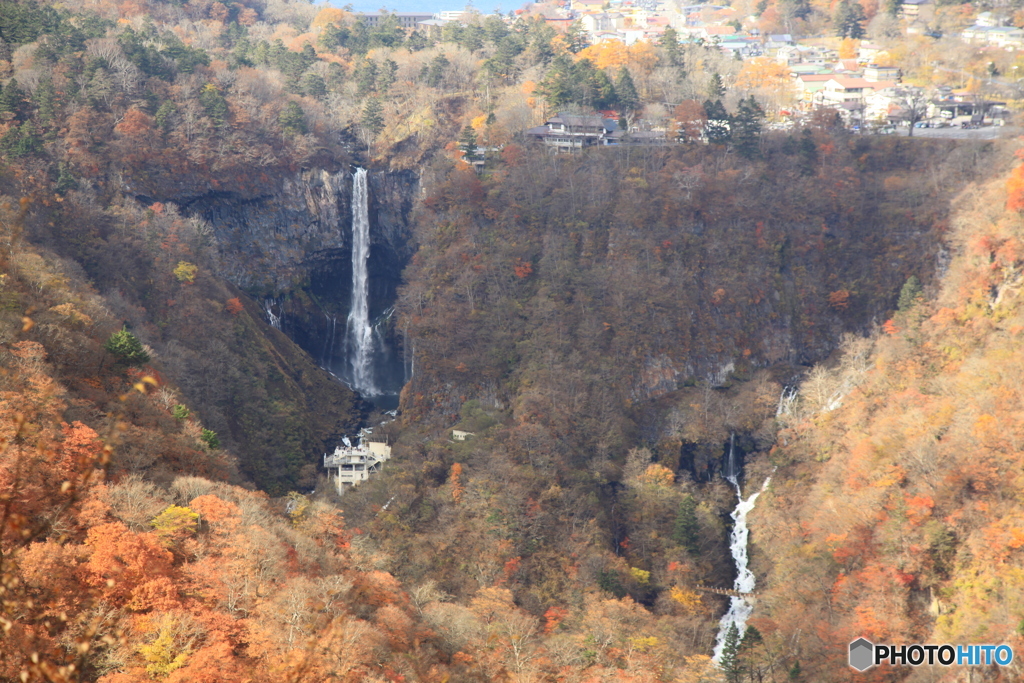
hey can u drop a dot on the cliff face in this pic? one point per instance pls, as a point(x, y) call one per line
point(292, 248)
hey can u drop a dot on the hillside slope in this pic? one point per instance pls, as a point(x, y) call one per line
point(895, 513)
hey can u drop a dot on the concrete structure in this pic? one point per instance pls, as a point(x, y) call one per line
point(351, 465)
point(1000, 36)
point(840, 90)
point(405, 19)
point(875, 73)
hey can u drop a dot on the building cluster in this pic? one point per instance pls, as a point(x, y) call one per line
point(565, 132)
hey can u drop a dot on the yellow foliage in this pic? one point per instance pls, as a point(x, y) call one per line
point(175, 522)
point(186, 272)
point(642, 644)
point(328, 15)
point(72, 314)
point(643, 57)
point(658, 475)
point(848, 48)
point(164, 655)
point(689, 600)
point(641, 576)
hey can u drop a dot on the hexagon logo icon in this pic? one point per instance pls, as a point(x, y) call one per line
point(862, 654)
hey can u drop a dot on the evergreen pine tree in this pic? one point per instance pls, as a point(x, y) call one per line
point(727, 662)
point(438, 70)
point(717, 127)
point(684, 532)
point(45, 97)
point(910, 294)
point(625, 91)
point(670, 43)
point(746, 128)
point(576, 38)
point(849, 19)
point(366, 78)
point(557, 86)
point(467, 143)
point(314, 86)
point(292, 119)
point(373, 116)
point(127, 347)
point(12, 99)
point(716, 89)
point(214, 104)
point(386, 75)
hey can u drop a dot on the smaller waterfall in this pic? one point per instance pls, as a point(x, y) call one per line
point(272, 318)
point(731, 473)
point(739, 608)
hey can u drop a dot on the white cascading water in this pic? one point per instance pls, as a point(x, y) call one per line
point(739, 608)
point(272, 318)
point(359, 330)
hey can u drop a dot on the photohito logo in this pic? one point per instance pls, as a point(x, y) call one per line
point(864, 654)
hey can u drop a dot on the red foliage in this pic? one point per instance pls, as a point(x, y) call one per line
point(553, 617)
point(523, 269)
point(234, 306)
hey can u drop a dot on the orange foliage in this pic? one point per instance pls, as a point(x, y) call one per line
point(523, 269)
point(606, 54)
point(1015, 190)
point(762, 72)
point(129, 568)
point(839, 299)
point(234, 306)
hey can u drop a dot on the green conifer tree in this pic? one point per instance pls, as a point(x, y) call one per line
point(716, 89)
point(849, 19)
point(684, 532)
point(467, 143)
point(728, 661)
point(910, 294)
point(127, 347)
point(625, 91)
point(746, 128)
point(292, 119)
point(373, 116)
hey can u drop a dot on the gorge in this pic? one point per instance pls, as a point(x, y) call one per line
point(232, 235)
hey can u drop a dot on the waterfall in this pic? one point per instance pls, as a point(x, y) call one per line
point(359, 331)
point(739, 608)
point(268, 307)
point(730, 465)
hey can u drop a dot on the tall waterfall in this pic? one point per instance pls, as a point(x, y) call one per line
point(739, 608)
point(359, 331)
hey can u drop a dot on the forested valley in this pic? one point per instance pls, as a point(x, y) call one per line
point(612, 327)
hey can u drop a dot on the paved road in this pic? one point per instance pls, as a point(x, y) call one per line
point(957, 133)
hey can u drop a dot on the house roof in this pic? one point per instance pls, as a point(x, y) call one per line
point(583, 121)
point(815, 78)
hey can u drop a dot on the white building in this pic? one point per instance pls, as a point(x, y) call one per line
point(350, 465)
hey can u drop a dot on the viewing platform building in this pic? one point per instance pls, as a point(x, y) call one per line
point(350, 465)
